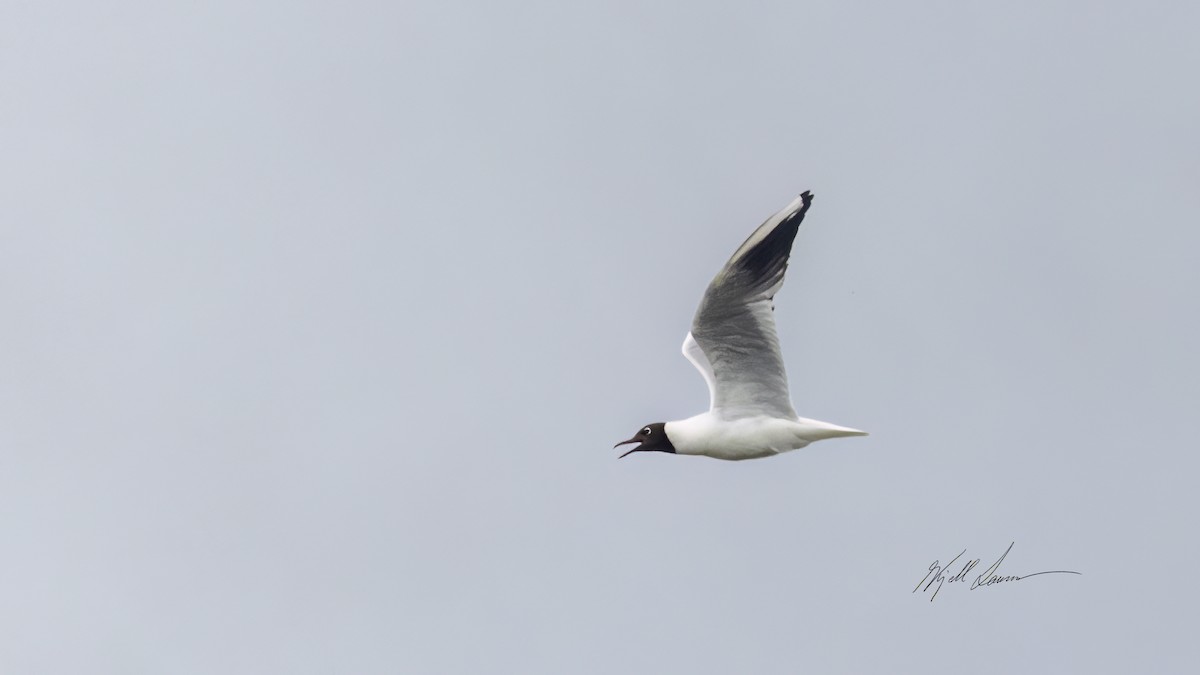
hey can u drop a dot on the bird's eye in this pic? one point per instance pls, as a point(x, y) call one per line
point(646, 431)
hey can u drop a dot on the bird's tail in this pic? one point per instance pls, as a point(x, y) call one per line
point(816, 430)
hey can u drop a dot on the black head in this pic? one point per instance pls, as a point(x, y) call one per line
point(653, 438)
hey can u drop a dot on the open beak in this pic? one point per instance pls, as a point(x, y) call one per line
point(632, 440)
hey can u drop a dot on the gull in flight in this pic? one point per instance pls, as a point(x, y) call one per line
point(734, 345)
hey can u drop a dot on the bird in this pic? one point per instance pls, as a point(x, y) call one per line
point(734, 345)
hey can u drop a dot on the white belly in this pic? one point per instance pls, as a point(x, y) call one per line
point(748, 437)
point(745, 438)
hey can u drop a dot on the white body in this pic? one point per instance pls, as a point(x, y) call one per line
point(748, 437)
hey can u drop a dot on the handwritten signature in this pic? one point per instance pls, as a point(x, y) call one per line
point(990, 577)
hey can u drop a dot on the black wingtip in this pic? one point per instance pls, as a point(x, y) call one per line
point(806, 198)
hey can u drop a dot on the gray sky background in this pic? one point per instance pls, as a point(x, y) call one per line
point(320, 321)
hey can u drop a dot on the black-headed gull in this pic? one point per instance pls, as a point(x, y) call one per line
point(734, 345)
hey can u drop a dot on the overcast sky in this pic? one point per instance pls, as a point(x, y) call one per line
point(319, 321)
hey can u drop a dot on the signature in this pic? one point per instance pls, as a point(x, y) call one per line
point(990, 577)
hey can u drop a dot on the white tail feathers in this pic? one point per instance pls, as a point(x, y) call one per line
point(816, 430)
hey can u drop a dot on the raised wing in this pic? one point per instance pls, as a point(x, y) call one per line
point(736, 345)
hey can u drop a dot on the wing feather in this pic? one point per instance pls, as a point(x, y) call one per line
point(734, 327)
point(696, 355)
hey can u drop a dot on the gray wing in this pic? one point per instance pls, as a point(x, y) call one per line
point(734, 328)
